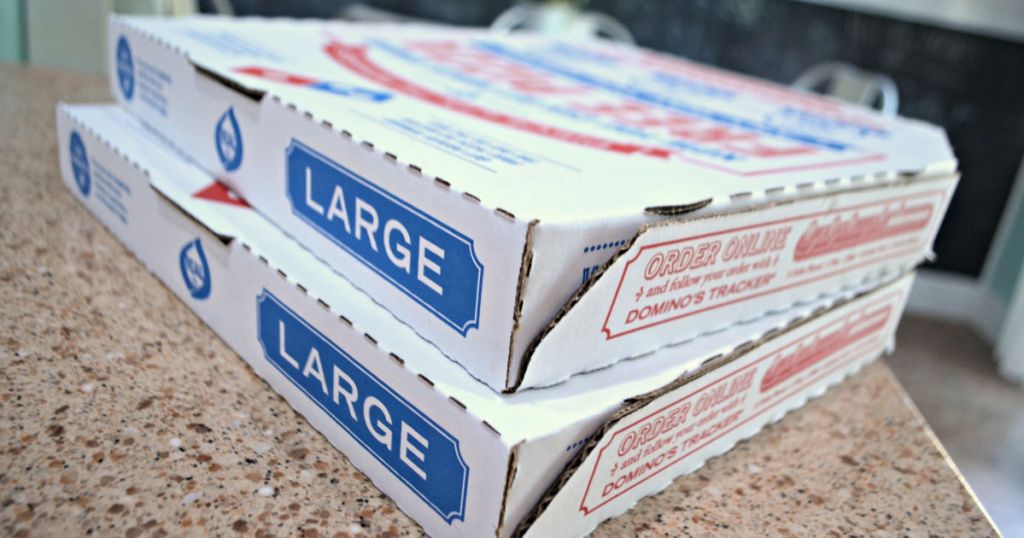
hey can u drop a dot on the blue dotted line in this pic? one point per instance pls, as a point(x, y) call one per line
point(602, 246)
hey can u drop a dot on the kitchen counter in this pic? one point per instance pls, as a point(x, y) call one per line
point(122, 414)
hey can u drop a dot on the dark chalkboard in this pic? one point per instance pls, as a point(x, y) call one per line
point(971, 85)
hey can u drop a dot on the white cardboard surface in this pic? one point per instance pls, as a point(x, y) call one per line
point(428, 434)
point(471, 183)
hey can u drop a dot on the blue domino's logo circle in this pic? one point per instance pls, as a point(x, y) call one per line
point(80, 163)
point(195, 270)
point(125, 69)
point(228, 139)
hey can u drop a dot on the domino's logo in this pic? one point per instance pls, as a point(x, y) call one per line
point(229, 141)
point(417, 451)
point(125, 69)
point(195, 270)
point(80, 163)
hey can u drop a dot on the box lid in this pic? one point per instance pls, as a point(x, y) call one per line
point(554, 130)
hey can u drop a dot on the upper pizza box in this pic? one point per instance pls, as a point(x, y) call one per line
point(538, 208)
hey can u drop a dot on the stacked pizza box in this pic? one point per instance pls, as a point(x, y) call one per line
point(520, 282)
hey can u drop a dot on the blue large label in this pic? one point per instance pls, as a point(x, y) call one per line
point(125, 69)
point(412, 446)
point(431, 262)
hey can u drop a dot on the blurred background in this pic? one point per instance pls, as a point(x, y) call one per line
point(955, 63)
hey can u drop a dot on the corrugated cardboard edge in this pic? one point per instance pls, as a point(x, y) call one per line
point(856, 184)
point(514, 378)
point(706, 367)
point(510, 477)
point(680, 209)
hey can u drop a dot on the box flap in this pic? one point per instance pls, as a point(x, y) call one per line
point(673, 430)
point(522, 123)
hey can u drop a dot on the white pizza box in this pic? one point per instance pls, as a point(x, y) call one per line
point(516, 200)
point(458, 457)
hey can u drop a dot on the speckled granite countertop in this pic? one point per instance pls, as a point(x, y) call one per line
point(122, 414)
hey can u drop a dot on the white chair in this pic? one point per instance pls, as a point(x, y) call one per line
point(560, 20)
point(852, 84)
